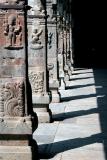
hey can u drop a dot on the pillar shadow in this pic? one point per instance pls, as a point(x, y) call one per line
point(81, 73)
point(100, 76)
point(101, 95)
point(72, 79)
point(66, 99)
point(78, 86)
point(62, 146)
point(64, 116)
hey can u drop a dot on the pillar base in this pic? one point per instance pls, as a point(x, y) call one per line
point(41, 107)
point(15, 153)
point(62, 84)
point(70, 72)
point(67, 77)
point(43, 114)
point(55, 96)
point(53, 87)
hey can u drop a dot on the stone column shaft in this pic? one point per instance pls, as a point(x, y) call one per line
point(52, 53)
point(66, 67)
point(61, 60)
point(38, 61)
point(15, 114)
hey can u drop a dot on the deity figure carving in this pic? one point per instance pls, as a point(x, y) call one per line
point(13, 32)
point(35, 38)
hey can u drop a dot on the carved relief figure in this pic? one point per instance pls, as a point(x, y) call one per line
point(12, 99)
point(13, 32)
point(37, 80)
point(50, 36)
point(35, 39)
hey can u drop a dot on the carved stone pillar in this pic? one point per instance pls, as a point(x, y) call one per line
point(61, 60)
point(71, 47)
point(52, 51)
point(37, 56)
point(66, 67)
point(69, 51)
point(15, 114)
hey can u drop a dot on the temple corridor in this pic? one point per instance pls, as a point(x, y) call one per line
point(79, 129)
point(53, 80)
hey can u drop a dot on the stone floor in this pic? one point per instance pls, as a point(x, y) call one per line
point(79, 130)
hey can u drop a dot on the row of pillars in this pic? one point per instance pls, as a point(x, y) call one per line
point(50, 53)
point(35, 62)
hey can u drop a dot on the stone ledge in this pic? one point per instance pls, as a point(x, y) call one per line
point(15, 153)
point(41, 99)
point(15, 125)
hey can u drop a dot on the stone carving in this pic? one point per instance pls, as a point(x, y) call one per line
point(12, 1)
point(1, 102)
point(38, 8)
point(37, 82)
point(12, 99)
point(13, 32)
point(51, 71)
point(50, 36)
point(36, 35)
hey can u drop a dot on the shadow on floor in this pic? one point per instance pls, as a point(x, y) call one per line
point(64, 116)
point(73, 79)
point(79, 73)
point(54, 148)
point(78, 86)
point(61, 146)
point(100, 76)
point(66, 99)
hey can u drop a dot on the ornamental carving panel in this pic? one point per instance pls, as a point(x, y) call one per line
point(37, 82)
point(12, 99)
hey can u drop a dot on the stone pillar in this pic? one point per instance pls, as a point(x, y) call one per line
point(15, 114)
point(66, 67)
point(69, 49)
point(69, 33)
point(37, 56)
point(61, 60)
point(66, 43)
point(52, 51)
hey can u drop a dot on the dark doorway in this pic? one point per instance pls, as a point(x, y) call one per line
point(89, 33)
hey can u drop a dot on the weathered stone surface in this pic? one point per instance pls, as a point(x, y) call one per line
point(37, 60)
point(15, 153)
point(52, 51)
point(15, 117)
point(61, 61)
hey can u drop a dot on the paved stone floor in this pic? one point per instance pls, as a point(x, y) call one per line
point(79, 129)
